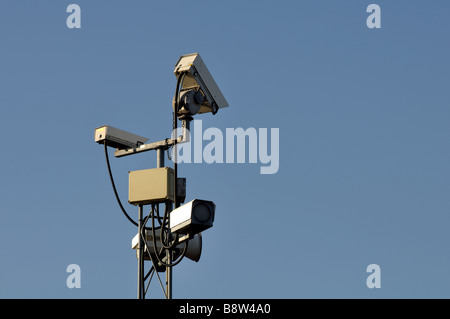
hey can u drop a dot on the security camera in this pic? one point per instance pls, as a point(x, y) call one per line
point(116, 138)
point(199, 92)
point(193, 251)
point(192, 217)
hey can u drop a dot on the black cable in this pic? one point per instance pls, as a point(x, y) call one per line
point(114, 187)
point(146, 220)
point(175, 127)
point(180, 80)
point(157, 214)
point(155, 249)
point(117, 195)
point(156, 253)
point(166, 217)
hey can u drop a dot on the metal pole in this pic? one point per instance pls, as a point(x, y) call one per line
point(140, 257)
point(160, 163)
point(169, 275)
point(169, 261)
point(175, 204)
point(160, 158)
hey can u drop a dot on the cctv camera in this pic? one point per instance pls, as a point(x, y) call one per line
point(203, 93)
point(193, 217)
point(193, 251)
point(116, 138)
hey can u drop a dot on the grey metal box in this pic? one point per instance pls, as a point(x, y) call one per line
point(150, 186)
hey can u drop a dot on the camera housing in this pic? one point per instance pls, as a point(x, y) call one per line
point(117, 138)
point(193, 217)
point(198, 79)
point(193, 251)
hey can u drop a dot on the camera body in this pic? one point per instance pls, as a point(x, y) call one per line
point(193, 217)
point(117, 138)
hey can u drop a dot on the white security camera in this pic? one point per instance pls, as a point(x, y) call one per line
point(193, 217)
point(118, 138)
point(205, 95)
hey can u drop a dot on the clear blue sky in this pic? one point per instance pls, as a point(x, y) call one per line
point(363, 115)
